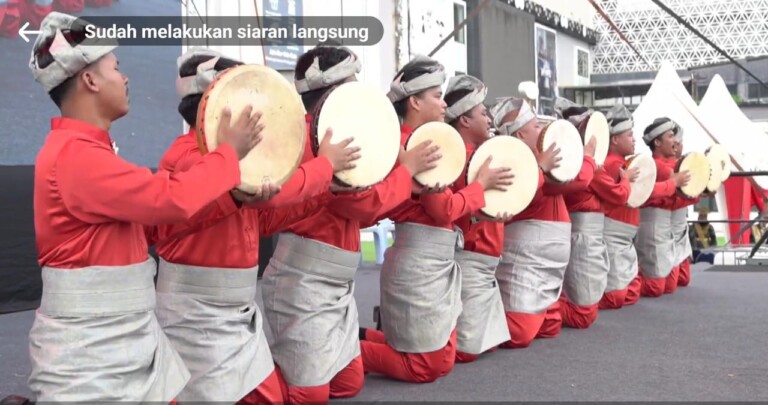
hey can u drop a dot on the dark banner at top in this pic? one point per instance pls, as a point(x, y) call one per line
point(278, 31)
point(284, 57)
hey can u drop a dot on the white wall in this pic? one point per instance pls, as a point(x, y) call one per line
point(424, 25)
point(566, 60)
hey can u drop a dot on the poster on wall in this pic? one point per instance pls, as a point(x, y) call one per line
point(283, 57)
point(546, 69)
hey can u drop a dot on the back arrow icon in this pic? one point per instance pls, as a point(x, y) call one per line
point(23, 31)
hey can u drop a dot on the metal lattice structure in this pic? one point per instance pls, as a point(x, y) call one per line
point(739, 27)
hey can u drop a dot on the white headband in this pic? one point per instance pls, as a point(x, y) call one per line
point(314, 78)
point(399, 90)
point(477, 95)
point(199, 82)
point(68, 60)
point(507, 105)
point(662, 125)
point(619, 119)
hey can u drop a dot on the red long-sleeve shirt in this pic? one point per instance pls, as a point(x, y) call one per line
point(549, 204)
point(484, 237)
point(233, 241)
point(91, 206)
point(614, 191)
point(438, 209)
point(663, 195)
point(338, 222)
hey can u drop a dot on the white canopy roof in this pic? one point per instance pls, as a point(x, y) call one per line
point(743, 139)
point(667, 97)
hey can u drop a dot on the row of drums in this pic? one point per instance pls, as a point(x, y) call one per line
point(359, 110)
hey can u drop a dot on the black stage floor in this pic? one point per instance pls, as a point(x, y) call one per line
point(704, 343)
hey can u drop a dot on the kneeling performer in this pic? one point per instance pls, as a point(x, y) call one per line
point(482, 325)
point(420, 283)
point(537, 242)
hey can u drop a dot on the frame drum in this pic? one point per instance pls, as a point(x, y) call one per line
point(596, 125)
point(279, 154)
point(720, 163)
point(698, 166)
point(452, 149)
point(507, 151)
point(640, 189)
point(375, 127)
point(567, 138)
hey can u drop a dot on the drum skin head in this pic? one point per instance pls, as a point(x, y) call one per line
point(375, 127)
point(720, 163)
point(279, 153)
point(698, 167)
point(452, 149)
point(568, 139)
point(642, 187)
point(507, 151)
point(597, 125)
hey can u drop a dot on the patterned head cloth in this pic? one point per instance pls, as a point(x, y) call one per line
point(435, 76)
point(314, 78)
point(477, 95)
point(198, 83)
point(68, 60)
point(657, 128)
point(567, 109)
point(619, 119)
point(506, 105)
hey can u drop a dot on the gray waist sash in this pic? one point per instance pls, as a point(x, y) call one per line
point(587, 272)
point(420, 288)
point(482, 324)
point(308, 291)
point(683, 248)
point(533, 264)
point(96, 338)
point(655, 243)
point(622, 256)
point(211, 318)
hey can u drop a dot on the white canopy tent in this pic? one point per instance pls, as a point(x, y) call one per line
point(745, 141)
point(667, 97)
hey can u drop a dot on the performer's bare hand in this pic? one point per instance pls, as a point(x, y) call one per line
point(591, 147)
point(417, 188)
point(265, 193)
point(503, 217)
point(421, 158)
point(341, 155)
point(681, 178)
point(549, 159)
point(244, 134)
point(631, 174)
point(494, 179)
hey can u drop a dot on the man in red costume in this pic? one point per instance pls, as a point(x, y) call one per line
point(586, 275)
point(482, 325)
point(683, 250)
point(308, 286)
point(612, 184)
point(420, 285)
point(537, 241)
point(655, 246)
point(207, 281)
point(95, 337)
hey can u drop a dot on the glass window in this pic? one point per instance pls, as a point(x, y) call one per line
point(582, 63)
